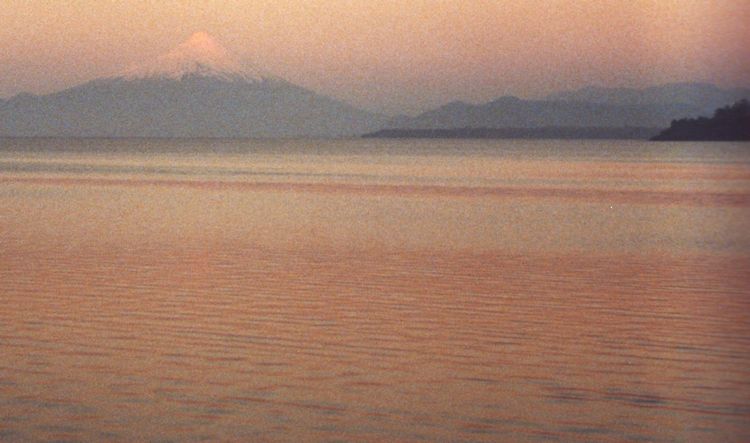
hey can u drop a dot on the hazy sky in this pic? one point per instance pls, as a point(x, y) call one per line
point(398, 55)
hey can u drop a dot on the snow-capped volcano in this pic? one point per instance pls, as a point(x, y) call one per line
point(198, 89)
point(199, 55)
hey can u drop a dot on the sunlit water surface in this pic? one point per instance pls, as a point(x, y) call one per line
point(155, 290)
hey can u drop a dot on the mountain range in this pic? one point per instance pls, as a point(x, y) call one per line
point(704, 96)
point(200, 89)
point(589, 107)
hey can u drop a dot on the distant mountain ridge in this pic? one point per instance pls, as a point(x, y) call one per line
point(705, 96)
point(193, 106)
point(586, 108)
point(570, 133)
point(517, 113)
point(199, 89)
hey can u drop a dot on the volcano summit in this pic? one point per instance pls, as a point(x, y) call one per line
point(198, 89)
point(199, 55)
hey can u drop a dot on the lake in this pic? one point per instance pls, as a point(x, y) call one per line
point(374, 290)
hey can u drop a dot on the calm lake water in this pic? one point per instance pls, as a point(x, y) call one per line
point(365, 290)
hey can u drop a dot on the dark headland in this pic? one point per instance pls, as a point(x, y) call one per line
point(730, 123)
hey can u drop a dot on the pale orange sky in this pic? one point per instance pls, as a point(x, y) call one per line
point(398, 55)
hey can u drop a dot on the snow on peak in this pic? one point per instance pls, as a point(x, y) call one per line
point(199, 55)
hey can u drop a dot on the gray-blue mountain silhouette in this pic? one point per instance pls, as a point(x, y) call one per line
point(199, 89)
point(196, 90)
point(705, 96)
point(590, 107)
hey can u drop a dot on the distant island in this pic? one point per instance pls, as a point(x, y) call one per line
point(730, 123)
point(549, 132)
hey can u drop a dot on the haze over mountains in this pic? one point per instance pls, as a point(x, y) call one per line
point(200, 89)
